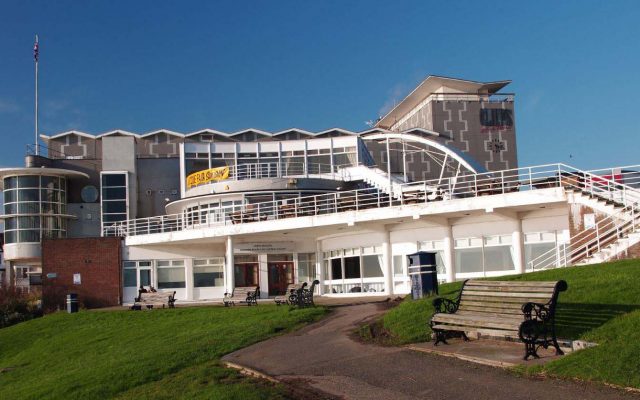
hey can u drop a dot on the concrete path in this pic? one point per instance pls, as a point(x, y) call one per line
point(323, 356)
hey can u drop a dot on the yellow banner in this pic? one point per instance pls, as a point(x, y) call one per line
point(207, 175)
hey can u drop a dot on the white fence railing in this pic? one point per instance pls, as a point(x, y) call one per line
point(617, 185)
point(281, 169)
point(499, 182)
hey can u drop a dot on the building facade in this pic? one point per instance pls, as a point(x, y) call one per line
point(205, 212)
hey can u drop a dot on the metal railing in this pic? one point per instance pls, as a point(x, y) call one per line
point(615, 185)
point(281, 169)
point(493, 183)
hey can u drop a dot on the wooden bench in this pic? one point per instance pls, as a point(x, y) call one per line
point(290, 295)
point(151, 299)
point(506, 309)
point(248, 295)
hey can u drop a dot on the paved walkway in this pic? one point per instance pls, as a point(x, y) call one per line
point(324, 357)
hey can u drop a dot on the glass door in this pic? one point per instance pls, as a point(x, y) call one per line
point(280, 276)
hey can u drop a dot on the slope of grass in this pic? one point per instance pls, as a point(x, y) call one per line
point(161, 353)
point(602, 305)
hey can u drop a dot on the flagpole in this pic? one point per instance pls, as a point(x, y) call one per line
point(35, 55)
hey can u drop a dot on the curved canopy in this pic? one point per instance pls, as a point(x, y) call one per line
point(463, 159)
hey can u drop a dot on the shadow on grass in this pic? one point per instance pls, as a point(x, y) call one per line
point(575, 319)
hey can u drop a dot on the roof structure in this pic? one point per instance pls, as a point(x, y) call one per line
point(429, 86)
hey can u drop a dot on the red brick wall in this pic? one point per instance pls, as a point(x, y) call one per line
point(97, 260)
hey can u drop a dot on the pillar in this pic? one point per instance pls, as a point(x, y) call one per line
point(188, 278)
point(387, 264)
point(517, 241)
point(319, 268)
point(449, 254)
point(228, 265)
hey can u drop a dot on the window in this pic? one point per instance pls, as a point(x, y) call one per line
point(336, 268)
point(538, 248)
point(306, 267)
point(496, 117)
point(42, 196)
point(398, 265)
point(208, 272)
point(114, 200)
point(170, 274)
point(351, 267)
point(484, 254)
point(372, 266)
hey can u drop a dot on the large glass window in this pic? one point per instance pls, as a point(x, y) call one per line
point(170, 274)
point(306, 267)
point(539, 248)
point(351, 267)
point(44, 198)
point(114, 197)
point(484, 254)
point(208, 272)
point(372, 266)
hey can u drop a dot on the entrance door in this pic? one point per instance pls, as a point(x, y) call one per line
point(280, 276)
point(144, 278)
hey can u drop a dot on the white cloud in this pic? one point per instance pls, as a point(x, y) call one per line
point(394, 95)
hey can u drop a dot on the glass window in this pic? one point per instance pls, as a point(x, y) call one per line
point(306, 267)
point(351, 267)
point(498, 258)
point(398, 267)
point(336, 268)
point(208, 276)
point(29, 181)
point(372, 266)
point(172, 277)
point(114, 180)
point(469, 260)
point(130, 277)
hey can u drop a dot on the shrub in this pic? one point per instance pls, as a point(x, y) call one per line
point(16, 306)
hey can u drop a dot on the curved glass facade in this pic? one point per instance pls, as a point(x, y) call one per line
point(34, 206)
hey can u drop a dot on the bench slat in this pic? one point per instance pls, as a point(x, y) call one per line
point(477, 321)
point(496, 309)
point(494, 299)
point(502, 289)
point(507, 294)
point(496, 304)
point(485, 331)
point(490, 315)
point(511, 283)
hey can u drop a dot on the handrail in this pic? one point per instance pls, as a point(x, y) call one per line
point(497, 182)
point(582, 242)
point(277, 169)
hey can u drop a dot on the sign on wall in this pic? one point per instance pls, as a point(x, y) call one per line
point(77, 280)
point(263, 247)
point(589, 221)
point(207, 175)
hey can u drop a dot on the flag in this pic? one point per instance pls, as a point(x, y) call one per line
point(35, 50)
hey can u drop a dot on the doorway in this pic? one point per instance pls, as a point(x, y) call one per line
point(280, 276)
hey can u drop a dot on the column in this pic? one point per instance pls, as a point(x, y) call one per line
point(228, 266)
point(517, 241)
point(9, 273)
point(319, 268)
point(449, 254)
point(386, 263)
point(188, 278)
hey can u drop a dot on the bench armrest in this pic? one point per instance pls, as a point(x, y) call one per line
point(446, 306)
point(536, 311)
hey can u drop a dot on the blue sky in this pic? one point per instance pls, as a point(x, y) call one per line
point(145, 65)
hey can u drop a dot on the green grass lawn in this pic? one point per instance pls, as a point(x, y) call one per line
point(164, 354)
point(601, 305)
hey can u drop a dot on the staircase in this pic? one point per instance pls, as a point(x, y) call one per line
point(610, 237)
point(374, 177)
